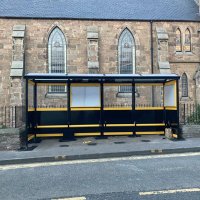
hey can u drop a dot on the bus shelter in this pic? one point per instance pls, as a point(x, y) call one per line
point(69, 105)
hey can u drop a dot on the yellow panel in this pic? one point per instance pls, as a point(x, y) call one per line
point(51, 109)
point(116, 125)
point(118, 133)
point(31, 109)
point(151, 133)
point(84, 108)
point(170, 108)
point(175, 94)
point(53, 126)
point(150, 124)
point(50, 135)
point(149, 108)
point(86, 134)
point(84, 125)
point(174, 136)
point(31, 82)
point(117, 108)
point(170, 83)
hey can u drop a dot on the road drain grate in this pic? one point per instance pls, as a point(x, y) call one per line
point(92, 143)
point(64, 145)
point(145, 140)
point(119, 142)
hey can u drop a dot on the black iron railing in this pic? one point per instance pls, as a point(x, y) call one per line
point(12, 116)
point(189, 113)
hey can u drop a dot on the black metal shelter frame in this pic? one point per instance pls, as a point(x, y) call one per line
point(100, 121)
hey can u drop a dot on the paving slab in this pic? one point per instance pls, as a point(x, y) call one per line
point(92, 148)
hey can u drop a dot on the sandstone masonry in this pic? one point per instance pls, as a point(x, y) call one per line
point(92, 47)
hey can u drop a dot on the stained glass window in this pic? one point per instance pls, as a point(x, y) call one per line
point(57, 57)
point(178, 40)
point(126, 53)
point(184, 80)
point(187, 40)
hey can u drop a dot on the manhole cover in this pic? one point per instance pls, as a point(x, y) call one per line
point(92, 144)
point(64, 145)
point(119, 142)
point(145, 140)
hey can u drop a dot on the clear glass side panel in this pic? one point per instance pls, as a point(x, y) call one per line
point(113, 98)
point(148, 96)
point(46, 99)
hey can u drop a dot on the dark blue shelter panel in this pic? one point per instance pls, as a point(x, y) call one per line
point(85, 117)
point(51, 117)
point(117, 116)
point(149, 116)
point(172, 117)
point(31, 119)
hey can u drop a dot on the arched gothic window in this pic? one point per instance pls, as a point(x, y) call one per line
point(126, 56)
point(187, 40)
point(57, 56)
point(184, 81)
point(178, 40)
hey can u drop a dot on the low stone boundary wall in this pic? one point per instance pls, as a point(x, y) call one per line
point(190, 131)
point(10, 138)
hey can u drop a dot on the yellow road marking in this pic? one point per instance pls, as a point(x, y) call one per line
point(169, 191)
point(89, 161)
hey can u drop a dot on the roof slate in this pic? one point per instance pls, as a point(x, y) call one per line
point(186, 10)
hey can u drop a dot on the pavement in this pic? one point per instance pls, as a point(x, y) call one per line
point(49, 150)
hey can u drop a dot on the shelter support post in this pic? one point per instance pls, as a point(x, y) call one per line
point(35, 107)
point(102, 109)
point(26, 107)
point(133, 107)
point(177, 101)
point(69, 133)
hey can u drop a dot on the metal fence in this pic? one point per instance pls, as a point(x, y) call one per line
point(12, 116)
point(189, 113)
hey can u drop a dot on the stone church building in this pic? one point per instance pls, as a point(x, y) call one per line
point(98, 36)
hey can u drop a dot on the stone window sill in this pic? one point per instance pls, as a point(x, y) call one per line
point(124, 95)
point(185, 98)
point(56, 95)
point(189, 53)
point(183, 53)
point(178, 53)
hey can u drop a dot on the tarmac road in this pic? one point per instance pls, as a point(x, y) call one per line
point(162, 177)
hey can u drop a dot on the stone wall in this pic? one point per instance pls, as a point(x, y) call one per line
point(78, 36)
point(190, 131)
point(10, 139)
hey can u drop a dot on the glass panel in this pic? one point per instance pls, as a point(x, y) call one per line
point(178, 41)
point(187, 41)
point(111, 99)
point(57, 89)
point(52, 101)
point(184, 85)
point(148, 96)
